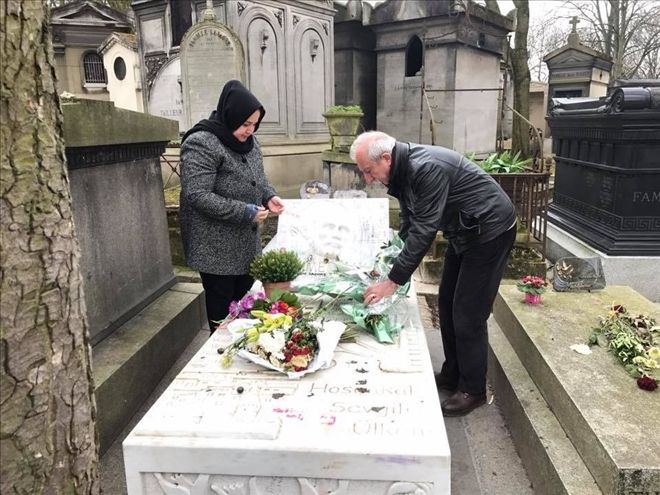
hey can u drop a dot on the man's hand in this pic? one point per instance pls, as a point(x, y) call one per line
point(275, 205)
point(379, 290)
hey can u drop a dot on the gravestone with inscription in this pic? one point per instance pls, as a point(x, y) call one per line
point(211, 55)
point(371, 424)
point(166, 98)
point(607, 181)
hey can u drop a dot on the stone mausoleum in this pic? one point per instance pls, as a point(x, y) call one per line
point(575, 70)
point(422, 71)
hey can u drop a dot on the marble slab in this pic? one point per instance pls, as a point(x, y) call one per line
point(371, 424)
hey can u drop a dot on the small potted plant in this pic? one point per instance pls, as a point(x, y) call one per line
point(343, 123)
point(276, 269)
point(533, 286)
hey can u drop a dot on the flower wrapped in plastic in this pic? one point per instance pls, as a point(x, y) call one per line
point(351, 283)
point(295, 346)
point(373, 319)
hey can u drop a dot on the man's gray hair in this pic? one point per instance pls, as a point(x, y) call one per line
point(377, 144)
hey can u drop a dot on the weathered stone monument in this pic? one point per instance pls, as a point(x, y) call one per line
point(370, 425)
point(140, 318)
point(437, 69)
point(575, 70)
point(607, 183)
point(578, 421)
point(211, 55)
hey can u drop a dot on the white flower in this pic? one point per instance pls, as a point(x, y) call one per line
point(273, 342)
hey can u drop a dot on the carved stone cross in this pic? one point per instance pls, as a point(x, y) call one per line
point(574, 21)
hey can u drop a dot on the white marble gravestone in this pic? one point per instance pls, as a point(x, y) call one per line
point(323, 231)
point(369, 425)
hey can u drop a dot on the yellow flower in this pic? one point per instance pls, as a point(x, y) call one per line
point(300, 360)
point(654, 353)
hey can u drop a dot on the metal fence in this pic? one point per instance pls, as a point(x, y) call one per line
point(529, 192)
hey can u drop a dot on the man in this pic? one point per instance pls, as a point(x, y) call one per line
point(439, 189)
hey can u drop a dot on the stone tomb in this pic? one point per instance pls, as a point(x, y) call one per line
point(371, 424)
point(612, 425)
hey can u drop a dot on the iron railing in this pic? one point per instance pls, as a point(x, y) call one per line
point(529, 192)
point(94, 70)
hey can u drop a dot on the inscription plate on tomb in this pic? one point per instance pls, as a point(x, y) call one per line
point(211, 55)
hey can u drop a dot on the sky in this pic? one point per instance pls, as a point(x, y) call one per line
point(537, 8)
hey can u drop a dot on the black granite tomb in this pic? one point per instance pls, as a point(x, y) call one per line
point(607, 180)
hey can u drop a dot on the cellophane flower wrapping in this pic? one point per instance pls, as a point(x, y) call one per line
point(270, 349)
point(351, 282)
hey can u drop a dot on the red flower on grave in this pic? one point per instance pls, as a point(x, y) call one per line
point(647, 383)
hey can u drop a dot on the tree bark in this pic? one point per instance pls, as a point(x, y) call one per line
point(47, 437)
point(519, 57)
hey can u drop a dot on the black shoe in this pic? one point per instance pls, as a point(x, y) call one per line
point(445, 384)
point(462, 403)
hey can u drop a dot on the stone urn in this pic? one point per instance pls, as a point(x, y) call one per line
point(343, 125)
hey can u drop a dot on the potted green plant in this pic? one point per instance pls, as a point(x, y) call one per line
point(276, 269)
point(343, 123)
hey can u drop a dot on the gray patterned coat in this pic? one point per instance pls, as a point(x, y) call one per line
point(217, 185)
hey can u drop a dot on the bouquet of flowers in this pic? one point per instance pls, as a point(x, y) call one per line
point(348, 282)
point(532, 284)
point(284, 339)
point(634, 340)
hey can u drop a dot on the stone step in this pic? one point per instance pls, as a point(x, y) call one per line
point(611, 422)
point(553, 465)
point(129, 363)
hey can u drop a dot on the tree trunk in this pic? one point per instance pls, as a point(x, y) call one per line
point(519, 57)
point(47, 438)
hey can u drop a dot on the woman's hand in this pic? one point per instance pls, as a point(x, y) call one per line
point(262, 214)
point(275, 205)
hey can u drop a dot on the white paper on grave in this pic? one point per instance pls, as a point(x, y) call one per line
point(323, 231)
point(328, 337)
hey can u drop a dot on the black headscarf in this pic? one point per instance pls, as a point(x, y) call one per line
point(235, 106)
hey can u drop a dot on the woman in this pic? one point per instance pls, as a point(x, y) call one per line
point(225, 195)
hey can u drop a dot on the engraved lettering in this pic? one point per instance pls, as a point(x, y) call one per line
point(646, 197)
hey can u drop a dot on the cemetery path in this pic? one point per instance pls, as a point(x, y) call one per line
point(484, 460)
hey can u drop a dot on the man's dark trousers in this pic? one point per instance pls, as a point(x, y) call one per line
point(467, 290)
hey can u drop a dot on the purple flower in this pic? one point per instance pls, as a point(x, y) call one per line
point(247, 302)
point(234, 308)
point(242, 308)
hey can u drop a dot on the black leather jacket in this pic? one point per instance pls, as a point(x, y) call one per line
point(440, 189)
